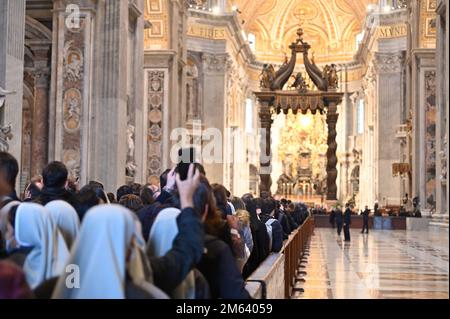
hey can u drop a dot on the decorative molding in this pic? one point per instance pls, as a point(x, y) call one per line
point(155, 101)
point(389, 62)
point(215, 62)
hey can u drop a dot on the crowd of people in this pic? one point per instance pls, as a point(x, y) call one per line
point(183, 239)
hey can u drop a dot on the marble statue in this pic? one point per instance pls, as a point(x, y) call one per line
point(130, 140)
point(5, 135)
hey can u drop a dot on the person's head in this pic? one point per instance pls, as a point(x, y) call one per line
point(367, 207)
point(96, 184)
point(290, 207)
point(132, 202)
point(238, 203)
point(205, 205)
point(269, 206)
point(220, 193)
point(9, 168)
point(111, 197)
point(147, 195)
point(265, 195)
point(85, 200)
point(122, 191)
point(99, 192)
point(55, 175)
point(136, 187)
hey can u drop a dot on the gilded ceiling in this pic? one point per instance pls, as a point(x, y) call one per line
point(330, 26)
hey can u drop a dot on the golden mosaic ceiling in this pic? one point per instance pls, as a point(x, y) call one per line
point(330, 26)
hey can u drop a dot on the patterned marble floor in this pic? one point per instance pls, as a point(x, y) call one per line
point(383, 264)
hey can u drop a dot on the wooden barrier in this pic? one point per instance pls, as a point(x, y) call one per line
point(267, 281)
point(294, 250)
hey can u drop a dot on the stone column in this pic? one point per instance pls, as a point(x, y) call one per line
point(108, 152)
point(12, 37)
point(442, 99)
point(265, 116)
point(389, 68)
point(332, 118)
point(39, 145)
point(214, 83)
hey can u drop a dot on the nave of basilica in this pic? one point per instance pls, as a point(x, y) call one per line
point(327, 105)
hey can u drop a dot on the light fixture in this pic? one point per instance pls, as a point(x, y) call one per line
point(386, 9)
point(216, 10)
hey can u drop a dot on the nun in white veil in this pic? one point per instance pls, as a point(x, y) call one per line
point(163, 233)
point(108, 252)
point(66, 219)
point(34, 228)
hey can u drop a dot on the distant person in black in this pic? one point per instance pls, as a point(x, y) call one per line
point(347, 222)
point(376, 210)
point(333, 218)
point(365, 215)
point(338, 219)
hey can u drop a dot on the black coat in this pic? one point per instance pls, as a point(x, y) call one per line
point(348, 216)
point(277, 233)
point(366, 214)
point(338, 216)
point(51, 194)
point(261, 245)
point(220, 270)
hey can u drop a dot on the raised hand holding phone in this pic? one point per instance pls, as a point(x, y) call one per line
point(187, 187)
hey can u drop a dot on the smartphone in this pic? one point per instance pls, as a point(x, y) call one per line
point(186, 158)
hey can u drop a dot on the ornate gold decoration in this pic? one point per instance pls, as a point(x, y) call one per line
point(331, 26)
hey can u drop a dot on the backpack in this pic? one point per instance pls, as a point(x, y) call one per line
point(269, 231)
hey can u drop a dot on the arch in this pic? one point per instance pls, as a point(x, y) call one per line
point(34, 30)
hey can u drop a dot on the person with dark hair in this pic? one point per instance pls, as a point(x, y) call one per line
point(99, 192)
point(9, 168)
point(136, 187)
point(122, 191)
point(273, 226)
point(111, 198)
point(96, 184)
point(132, 202)
point(347, 222)
point(220, 193)
point(261, 239)
point(85, 200)
point(146, 195)
point(289, 215)
point(365, 214)
point(338, 218)
point(237, 203)
point(55, 181)
point(218, 264)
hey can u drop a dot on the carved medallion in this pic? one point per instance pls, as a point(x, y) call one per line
point(72, 110)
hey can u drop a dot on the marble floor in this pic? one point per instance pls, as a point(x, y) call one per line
point(383, 264)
